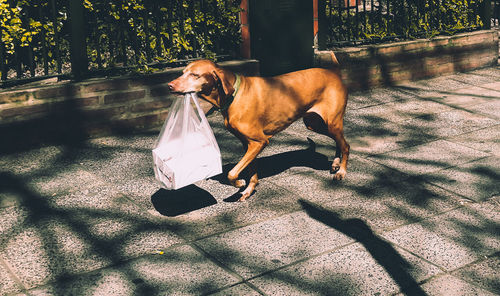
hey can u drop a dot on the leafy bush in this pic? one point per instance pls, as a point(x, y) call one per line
point(404, 19)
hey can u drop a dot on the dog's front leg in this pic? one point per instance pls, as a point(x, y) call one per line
point(254, 148)
point(254, 180)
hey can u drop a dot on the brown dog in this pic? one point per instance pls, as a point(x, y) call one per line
point(256, 108)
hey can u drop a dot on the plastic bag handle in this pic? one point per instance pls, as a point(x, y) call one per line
point(201, 116)
point(186, 115)
point(204, 120)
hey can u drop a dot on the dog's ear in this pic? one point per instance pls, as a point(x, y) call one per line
point(221, 76)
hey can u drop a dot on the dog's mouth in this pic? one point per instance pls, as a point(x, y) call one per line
point(183, 93)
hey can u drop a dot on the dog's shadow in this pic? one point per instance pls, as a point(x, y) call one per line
point(273, 165)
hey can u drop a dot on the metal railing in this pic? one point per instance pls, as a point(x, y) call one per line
point(112, 36)
point(495, 17)
point(352, 22)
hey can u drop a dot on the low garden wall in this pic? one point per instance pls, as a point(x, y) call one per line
point(70, 112)
point(370, 66)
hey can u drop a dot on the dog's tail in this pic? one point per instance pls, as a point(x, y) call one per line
point(335, 62)
point(334, 65)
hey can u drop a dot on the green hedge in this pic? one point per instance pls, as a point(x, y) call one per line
point(403, 19)
point(130, 33)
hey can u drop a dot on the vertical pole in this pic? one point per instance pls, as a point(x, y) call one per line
point(44, 41)
point(3, 67)
point(315, 23)
point(78, 46)
point(322, 24)
point(56, 37)
point(146, 31)
point(485, 13)
point(245, 30)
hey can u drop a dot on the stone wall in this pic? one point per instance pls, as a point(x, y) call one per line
point(369, 66)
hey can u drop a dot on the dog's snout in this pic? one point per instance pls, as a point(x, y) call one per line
point(171, 86)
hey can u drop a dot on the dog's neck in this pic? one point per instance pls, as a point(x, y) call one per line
point(230, 98)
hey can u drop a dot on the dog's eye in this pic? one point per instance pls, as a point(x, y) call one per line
point(195, 75)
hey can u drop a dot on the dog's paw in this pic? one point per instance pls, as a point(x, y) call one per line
point(239, 183)
point(340, 174)
point(335, 166)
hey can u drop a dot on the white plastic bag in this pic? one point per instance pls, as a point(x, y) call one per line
point(186, 150)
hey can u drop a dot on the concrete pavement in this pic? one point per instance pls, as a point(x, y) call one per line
point(419, 212)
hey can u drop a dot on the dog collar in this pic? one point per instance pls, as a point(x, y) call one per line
point(236, 87)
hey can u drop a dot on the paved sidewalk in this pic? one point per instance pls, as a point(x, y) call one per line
point(419, 212)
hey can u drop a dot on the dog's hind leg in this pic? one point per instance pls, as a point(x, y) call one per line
point(315, 122)
point(334, 130)
point(339, 165)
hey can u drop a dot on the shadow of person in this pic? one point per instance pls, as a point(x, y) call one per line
point(172, 203)
point(380, 250)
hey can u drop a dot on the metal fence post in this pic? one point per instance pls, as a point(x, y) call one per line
point(78, 45)
point(322, 25)
point(3, 66)
point(485, 14)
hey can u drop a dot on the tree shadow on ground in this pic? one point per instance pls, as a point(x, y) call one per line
point(383, 252)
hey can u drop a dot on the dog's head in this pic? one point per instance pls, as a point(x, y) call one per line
point(207, 79)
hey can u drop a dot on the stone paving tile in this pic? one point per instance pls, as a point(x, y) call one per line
point(448, 124)
point(489, 90)
point(363, 99)
point(441, 84)
point(486, 140)
point(455, 99)
point(71, 180)
point(484, 274)
point(363, 176)
point(491, 72)
point(454, 239)
point(7, 284)
point(429, 157)
point(402, 110)
point(109, 218)
point(118, 167)
point(179, 271)
point(30, 161)
point(37, 256)
point(384, 137)
point(104, 282)
point(491, 109)
point(9, 198)
point(476, 180)
point(258, 248)
point(137, 142)
point(12, 219)
point(478, 77)
point(77, 233)
point(394, 205)
point(374, 269)
point(450, 285)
